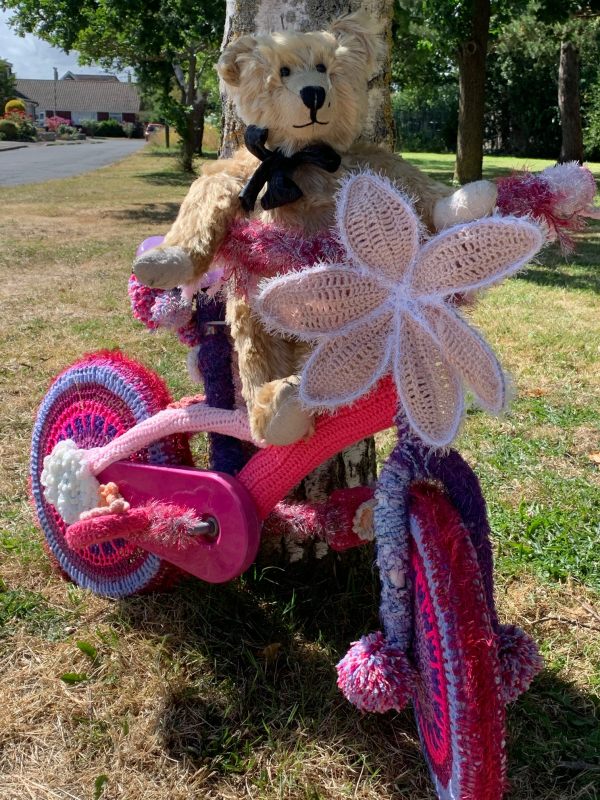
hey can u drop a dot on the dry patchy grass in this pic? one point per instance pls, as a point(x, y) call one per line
point(174, 696)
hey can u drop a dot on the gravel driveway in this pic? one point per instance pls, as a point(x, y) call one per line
point(43, 162)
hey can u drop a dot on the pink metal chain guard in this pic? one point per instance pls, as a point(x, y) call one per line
point(241, 504)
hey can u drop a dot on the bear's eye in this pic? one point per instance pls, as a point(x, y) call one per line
point(284, 72)
point(321, 68)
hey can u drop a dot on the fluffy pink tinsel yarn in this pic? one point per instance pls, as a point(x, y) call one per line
point(375, 675)
point(520, 661)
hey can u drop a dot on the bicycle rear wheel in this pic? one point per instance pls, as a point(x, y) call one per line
point(92, 402)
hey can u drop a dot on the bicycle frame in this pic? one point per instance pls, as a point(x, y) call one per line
point(238, 505)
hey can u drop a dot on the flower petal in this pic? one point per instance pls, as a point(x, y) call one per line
point(428, 387)
point(377, 225)
point(344, 368)
point(468, 352)
point(474, 255)
point(328, 298)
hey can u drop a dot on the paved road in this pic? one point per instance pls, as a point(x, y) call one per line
point(39, 162)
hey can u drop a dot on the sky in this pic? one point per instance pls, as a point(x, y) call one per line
point(33, 58)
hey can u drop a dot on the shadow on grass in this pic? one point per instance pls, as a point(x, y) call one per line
point(554, 741)
point(152, 212)
point(553, 270)
point(257, 684)
point(260, 679)
point(167, 178)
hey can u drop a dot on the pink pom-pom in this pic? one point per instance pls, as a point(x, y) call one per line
point(142, 300)
point(520, 661)
point(375, 675)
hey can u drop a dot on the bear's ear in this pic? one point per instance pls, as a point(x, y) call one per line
point(228, 64)
point(361, 34)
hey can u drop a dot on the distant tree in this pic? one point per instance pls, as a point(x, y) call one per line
point(7, 83)
point(539, 91)
point(458, 33)
point(171, 44)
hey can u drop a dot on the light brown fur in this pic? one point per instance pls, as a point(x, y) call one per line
point(250, 67)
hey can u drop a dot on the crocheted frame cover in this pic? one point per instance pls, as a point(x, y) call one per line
point(388, 308)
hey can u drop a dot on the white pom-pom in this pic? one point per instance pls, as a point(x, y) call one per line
point(68, 481)
point(574, 186)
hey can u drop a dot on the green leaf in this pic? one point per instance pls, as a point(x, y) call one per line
point(99, 785)
point(90, 651)
point(74, 677)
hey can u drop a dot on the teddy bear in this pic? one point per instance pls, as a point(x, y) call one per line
point(303, 97)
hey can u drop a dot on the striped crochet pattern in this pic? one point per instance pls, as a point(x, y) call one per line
point(376, 674)
point(93, 402)
point(388, 308)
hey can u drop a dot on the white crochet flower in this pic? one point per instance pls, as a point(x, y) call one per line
point(388, 309)
point(68, 481)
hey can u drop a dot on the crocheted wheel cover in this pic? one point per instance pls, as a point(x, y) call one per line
point(458, 706)
point(92, 402)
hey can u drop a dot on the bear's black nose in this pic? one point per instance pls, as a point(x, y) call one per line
point(313, 97)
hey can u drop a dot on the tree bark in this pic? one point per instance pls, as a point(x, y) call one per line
point(355, 466)
point(472, 56)
point(569, 104)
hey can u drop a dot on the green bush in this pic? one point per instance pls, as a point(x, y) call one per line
point(89, 126)
point(2, 137)
point(109, 127)
point(133, 130)
point(67, 132)
point(9, 129)
point(427, 123)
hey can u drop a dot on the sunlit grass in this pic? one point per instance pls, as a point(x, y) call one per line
point(229, 691)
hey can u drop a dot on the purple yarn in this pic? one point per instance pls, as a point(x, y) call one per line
point(214, 363)
point(466, 496)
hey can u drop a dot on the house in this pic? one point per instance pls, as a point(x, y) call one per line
point(82, 97)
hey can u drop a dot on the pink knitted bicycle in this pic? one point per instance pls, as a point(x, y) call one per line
point(124, 511)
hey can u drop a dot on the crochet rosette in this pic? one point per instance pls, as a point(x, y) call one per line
point(91, 403)
point(388, 308)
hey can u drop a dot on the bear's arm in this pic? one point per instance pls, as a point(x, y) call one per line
point(209, 207)
point(423, 190)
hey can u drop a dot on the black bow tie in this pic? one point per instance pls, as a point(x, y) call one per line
point(276, 170)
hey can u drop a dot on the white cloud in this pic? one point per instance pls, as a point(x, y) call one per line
point(33, 58)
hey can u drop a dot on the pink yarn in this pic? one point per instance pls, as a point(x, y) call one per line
point(167, 523)
point(520, 661)
point(376, 675)
point(253, 250)
point(193, 418)
point(560, 197)
point(272, 473)
point(142, 300)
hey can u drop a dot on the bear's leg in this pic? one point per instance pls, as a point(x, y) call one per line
point(277, 416)
point(267, 366)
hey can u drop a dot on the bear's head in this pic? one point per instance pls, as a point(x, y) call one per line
point(304, 87)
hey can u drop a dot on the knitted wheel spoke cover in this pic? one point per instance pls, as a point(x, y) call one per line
point(458, 707)
point(92, 402)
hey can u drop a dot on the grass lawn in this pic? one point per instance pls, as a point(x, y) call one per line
point(181, 696)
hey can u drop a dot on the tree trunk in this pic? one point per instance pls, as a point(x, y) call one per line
point(471, 80)
point(569, 104)
point(356, 466)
